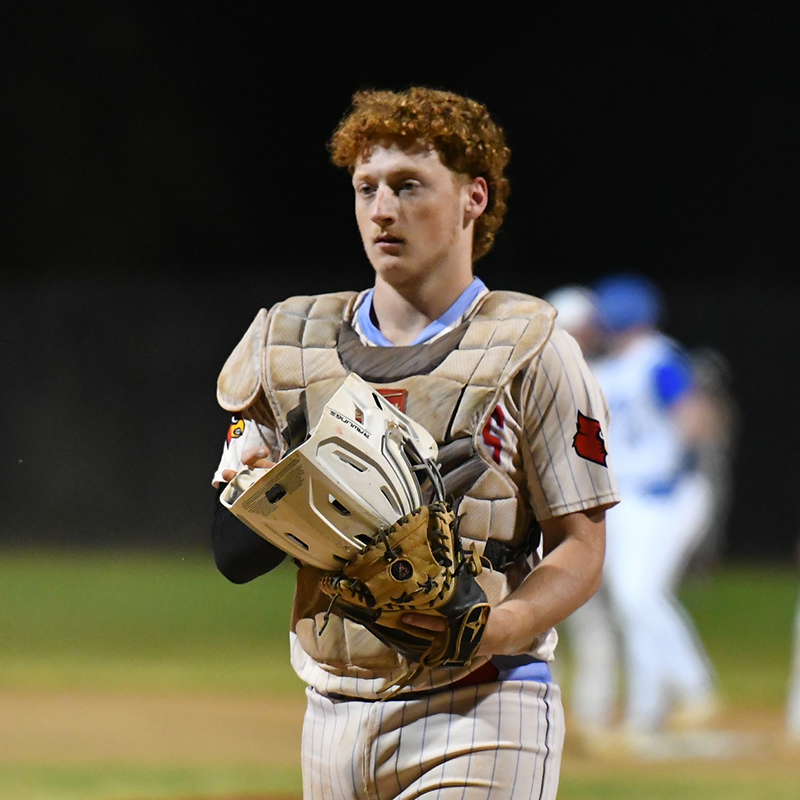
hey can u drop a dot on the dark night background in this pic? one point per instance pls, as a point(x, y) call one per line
point(165, 176)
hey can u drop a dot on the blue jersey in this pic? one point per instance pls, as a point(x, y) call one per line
point(642, 385)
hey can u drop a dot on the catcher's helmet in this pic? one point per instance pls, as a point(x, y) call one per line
point(358, 471)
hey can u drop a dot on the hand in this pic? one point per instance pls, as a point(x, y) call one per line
point(429, 623)
point(425, 622)
point(255, 457)
point(492, 643)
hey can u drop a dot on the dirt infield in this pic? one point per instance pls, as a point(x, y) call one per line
point(152, 728)
point(210, 739)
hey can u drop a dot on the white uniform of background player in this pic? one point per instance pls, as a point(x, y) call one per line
point(494, 728)
point(665, 510)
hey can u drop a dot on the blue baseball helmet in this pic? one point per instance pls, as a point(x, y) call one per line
point(627, 301)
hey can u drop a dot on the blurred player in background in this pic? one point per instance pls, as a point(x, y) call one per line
point(663, 422)
point(577, 315)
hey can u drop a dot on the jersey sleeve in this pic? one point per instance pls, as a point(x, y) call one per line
point(565, 420)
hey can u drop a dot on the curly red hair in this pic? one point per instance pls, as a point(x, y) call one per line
point(467, 139)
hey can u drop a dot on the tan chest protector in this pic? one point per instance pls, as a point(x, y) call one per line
point(300, 352)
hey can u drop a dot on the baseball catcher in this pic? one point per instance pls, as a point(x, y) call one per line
point(388, 602)
point(363, 499)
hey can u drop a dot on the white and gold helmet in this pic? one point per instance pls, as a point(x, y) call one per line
point(362, 468)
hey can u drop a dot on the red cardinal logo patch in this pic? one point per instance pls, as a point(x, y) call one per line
point(588, 440)
point(236, 429)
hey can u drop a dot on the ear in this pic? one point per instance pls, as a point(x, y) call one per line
point(477, 198)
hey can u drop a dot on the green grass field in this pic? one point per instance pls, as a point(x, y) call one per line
point(147, 675)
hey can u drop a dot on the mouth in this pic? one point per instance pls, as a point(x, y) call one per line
point(385, 240)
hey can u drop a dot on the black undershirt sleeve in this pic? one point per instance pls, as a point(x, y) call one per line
point(240, 553)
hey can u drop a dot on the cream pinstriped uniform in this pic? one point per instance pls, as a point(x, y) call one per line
point(501, 738)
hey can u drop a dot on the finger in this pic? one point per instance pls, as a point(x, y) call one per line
point(257, 457)
point(228, 475)
point(253, 454)
point(426, 621)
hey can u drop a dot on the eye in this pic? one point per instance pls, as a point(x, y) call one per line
point(408, 186)
point(365, 190)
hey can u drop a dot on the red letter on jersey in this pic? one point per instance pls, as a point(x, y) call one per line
point(588, 440)
point(492, 439)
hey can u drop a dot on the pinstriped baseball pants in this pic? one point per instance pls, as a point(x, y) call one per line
point(493, 741)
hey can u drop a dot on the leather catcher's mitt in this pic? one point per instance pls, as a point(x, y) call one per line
point(418, 564)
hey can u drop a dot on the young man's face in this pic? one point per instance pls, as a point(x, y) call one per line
point(414, 213)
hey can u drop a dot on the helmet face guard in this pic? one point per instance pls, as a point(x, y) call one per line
point(361, 469)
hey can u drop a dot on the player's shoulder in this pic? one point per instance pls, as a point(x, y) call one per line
point(239, 381)
point(561, 353)
point(511, 324)
point(672, 370)
point(505, 304)
point(315, 305)
point(663, 350)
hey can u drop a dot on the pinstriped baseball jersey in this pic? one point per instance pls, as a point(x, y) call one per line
point(546, 434)
point(502, 737)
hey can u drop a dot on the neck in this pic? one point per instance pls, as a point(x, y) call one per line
point(404, 312)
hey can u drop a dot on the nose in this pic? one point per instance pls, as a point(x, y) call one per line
point(384, 206)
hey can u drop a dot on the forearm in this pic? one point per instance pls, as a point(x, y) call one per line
point(239, 553)
point(565, 579)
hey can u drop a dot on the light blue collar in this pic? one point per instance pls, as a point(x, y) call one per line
point(454, 313)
